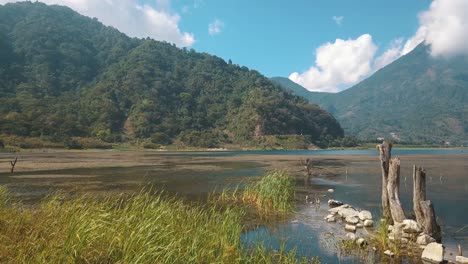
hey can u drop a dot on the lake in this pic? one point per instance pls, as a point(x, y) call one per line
point(353, 174)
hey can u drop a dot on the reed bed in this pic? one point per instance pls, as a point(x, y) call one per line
point(146, 227)
point(273, 193)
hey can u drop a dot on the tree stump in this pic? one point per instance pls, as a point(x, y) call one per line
point(393, 189)
point(430, 226)
point(419, 192)
point(423, 209)
point(385, 154)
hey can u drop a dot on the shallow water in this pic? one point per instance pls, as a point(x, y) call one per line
point(360, 186)
point(194, 181)
point(355, 181)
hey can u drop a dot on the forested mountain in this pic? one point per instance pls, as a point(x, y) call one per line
point(65, 75)
point(419, 98)
point(288, 85)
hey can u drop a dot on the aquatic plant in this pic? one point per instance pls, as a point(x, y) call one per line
point(274, 192)
point(146, 227)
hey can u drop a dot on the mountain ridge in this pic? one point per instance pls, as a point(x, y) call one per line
point(67, 75)
point(417, 98)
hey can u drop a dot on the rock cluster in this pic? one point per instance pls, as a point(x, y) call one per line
point(409, 230)
point(352, 218)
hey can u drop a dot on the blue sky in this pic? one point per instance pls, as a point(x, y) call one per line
point(280, 37)
point(324, 45)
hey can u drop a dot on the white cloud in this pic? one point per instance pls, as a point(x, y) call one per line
point(445, 25)
point(390, 55)
point(338, 20)
point(339, 64)
point(132, 18)
point(215, 27)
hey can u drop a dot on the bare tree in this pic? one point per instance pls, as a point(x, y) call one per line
point(13, 163)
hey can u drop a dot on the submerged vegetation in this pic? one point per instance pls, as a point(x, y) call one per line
point(146, 227)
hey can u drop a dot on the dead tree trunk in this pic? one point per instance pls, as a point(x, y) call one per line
point(423, 209)
point(393, 189)
point(419, 192)
point(307, 166)
point(13, 163)
point(430, 226)
point(385, 154)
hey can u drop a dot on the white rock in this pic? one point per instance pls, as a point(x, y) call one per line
point(390, 228)
point(361, 242)
point(351, 236)
point(411, 226)
point(329, 216)
point(368, 223)
point(352, 220)
point(348, 212)
point(350, 228)
point(424, 239)
point(336, 209)
point(331, 219)
point(406, 235)
point(434, 252)
point(389, 253)
point(359, 225)
point(365, 215)
point(461, 260)
point(330, 190)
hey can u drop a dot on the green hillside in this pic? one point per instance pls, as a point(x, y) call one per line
point(418, 98)
point(64, 75)
point(316, 97)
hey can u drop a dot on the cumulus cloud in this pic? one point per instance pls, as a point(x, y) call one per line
point(338, 65)
point(445, 27)
point(338, 20)
point(132, 18)
point(215, 27)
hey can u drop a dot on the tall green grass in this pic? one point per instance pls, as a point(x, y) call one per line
point(273, 193)
point(143, 228)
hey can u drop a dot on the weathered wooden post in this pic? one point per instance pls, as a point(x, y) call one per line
point(393, 189)
point(385, 155)
point(13, 163)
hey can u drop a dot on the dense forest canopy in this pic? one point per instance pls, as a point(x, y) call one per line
point(65, 75)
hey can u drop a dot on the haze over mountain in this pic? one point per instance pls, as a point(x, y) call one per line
point(418, 97)
point(66, 75)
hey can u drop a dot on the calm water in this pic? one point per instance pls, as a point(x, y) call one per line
point(358, 152)
point(360, 186)
point(357, 183)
